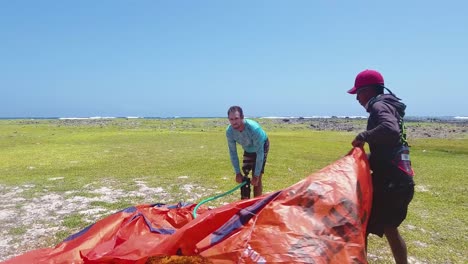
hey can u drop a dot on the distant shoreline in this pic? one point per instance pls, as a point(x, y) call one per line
point(457, 119)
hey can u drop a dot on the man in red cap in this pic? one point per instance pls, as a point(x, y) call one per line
point(392, 174)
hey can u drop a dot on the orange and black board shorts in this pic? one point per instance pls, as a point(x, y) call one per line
point(249, 159)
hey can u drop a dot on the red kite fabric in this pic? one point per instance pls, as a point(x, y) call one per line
point(321, 219)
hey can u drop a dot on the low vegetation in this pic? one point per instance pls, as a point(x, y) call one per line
point(58, 176)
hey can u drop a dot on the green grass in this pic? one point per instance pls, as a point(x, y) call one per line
point(18, 230)
point(73, 221)
point(437, 225)
point(115, 153)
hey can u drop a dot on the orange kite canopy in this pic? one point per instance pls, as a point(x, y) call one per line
point(321, 219)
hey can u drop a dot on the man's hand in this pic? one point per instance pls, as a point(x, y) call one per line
point(255, 180)
point(359, 140)
point(238, 177)
point(358, 143)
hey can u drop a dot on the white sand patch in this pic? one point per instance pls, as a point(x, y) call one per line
point(38, 231)
point(413, 260)
point(372, 258)
point(194, 196)
point(89, 185)
point(41, 208)
point(67, 193)
point(187, 187)
point(414, 228)
point(6, 214)
point(76, 204)
point(9, 197)
point(108, 195)
point(7, 194)
point(420, 244)
point(148, 190)
point(56, 179)
point(4, 242)
point(421, 188)
point(93, 211)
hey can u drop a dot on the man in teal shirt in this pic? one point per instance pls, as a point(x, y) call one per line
point(255, 143)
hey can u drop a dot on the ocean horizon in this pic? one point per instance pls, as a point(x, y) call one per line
point(410, 118)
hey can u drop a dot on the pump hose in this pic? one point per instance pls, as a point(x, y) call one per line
point(216, 197)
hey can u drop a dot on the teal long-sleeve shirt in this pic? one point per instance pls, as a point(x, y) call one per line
point(252, 139)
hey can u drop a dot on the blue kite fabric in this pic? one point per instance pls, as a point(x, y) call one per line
point(321, 219)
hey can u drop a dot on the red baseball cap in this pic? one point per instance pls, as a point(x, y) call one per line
point(366, 78)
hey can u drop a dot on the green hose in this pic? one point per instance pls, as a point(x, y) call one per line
point(216, 197)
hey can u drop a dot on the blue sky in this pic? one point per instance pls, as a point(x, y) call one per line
point(197, 58)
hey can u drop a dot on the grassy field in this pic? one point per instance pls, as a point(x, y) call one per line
point(57, 176)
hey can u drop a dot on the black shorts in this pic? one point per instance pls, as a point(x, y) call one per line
point(393, 191)
point(249, 160)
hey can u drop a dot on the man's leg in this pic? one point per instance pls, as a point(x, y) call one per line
point(258, 190)
point(397, 244)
